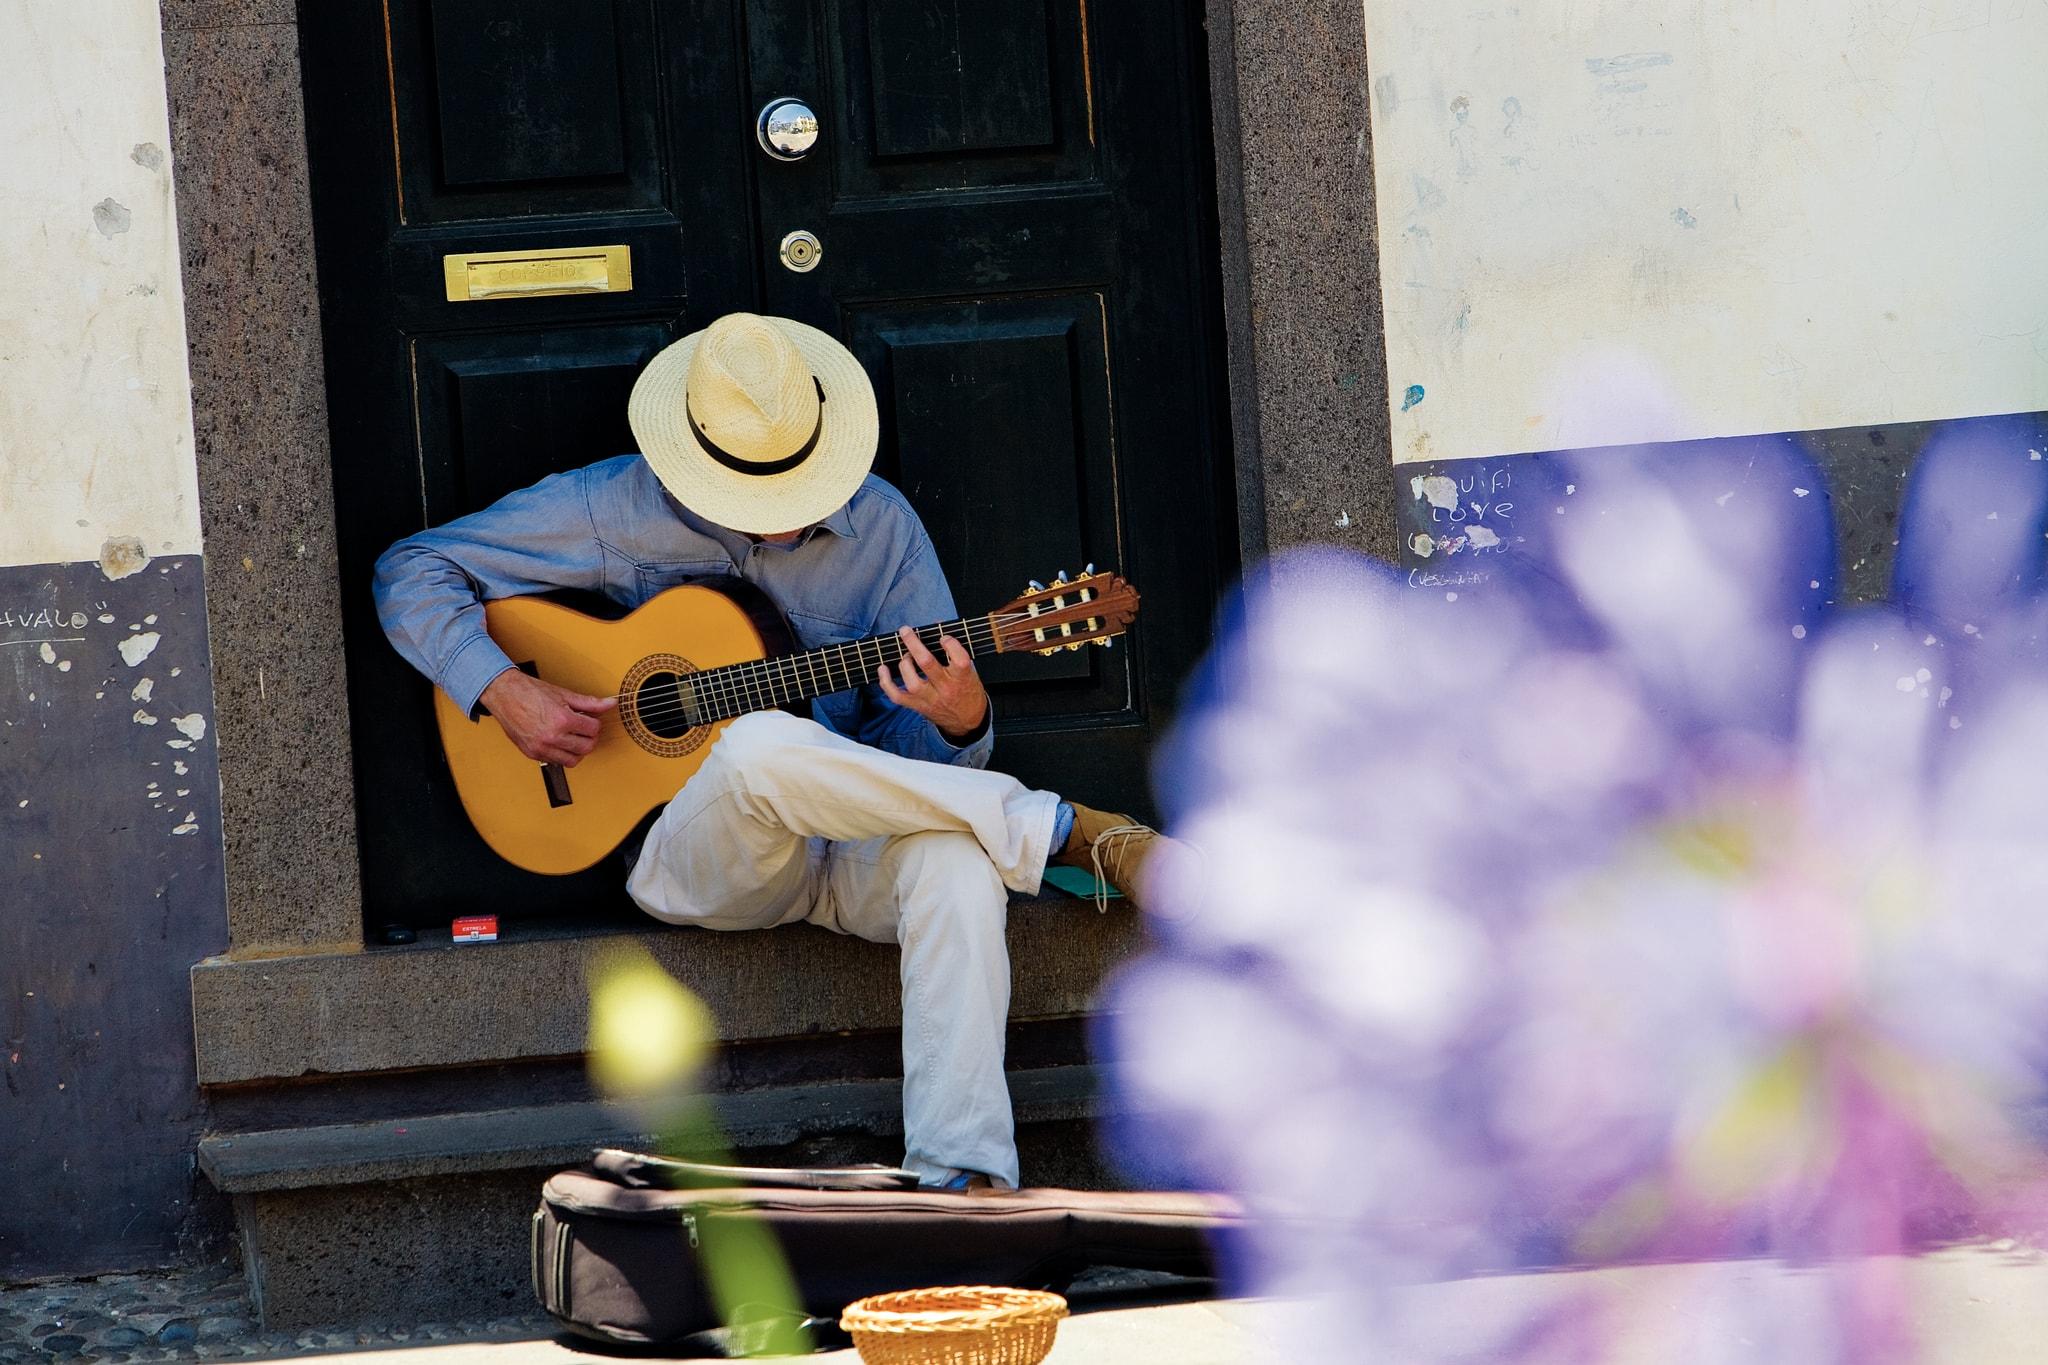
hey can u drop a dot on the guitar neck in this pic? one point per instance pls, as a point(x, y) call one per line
point(763, 684)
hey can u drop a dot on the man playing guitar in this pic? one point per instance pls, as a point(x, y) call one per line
point(877, 817)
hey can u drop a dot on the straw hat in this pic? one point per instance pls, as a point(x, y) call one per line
point(758, 424)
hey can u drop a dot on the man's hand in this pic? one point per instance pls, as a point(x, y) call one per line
point(949, 694)
point(550, 724)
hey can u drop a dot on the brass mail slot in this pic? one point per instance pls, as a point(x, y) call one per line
point(538, 274)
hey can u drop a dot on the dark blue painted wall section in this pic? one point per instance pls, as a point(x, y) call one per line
point(1466, 523)
point(110, 889)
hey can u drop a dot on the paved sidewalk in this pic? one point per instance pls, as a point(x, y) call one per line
point(205, 1315)
point(1170, 1334)
point(1973, 1306)
point(201, 1314)
point(1978, 1305)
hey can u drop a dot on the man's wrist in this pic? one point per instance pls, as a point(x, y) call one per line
point(482, 706)
point(973, 732)
point(474, 665)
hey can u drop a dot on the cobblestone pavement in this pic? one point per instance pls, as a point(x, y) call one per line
point(200, 1314)
point(205, 1314)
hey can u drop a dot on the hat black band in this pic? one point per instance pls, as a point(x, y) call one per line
point(739, 466)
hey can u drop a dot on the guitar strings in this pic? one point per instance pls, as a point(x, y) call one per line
point(737, 695)
point(749, 678)
point(757, 684)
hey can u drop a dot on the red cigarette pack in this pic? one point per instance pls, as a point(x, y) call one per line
point(476, 929)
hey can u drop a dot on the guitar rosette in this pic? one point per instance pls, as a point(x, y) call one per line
point(659, 708)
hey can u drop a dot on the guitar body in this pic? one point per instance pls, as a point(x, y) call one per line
point(553, 820)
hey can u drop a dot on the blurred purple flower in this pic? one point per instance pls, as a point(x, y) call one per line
point(1637, 906)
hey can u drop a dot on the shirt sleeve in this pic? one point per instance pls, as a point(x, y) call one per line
point(431, 587)
point(918, 597)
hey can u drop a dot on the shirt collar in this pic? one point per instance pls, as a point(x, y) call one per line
point(840, 523)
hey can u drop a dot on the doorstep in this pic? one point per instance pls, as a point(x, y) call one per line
point(446, 1005)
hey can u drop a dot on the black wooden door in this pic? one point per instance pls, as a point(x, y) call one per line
point(1011, 203)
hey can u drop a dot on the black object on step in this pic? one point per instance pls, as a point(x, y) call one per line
point(616, 1246)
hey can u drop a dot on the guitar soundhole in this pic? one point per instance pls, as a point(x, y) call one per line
point(658, 706)
point(663, 706)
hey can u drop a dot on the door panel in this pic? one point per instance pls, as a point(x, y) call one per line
point(941, 85)
point(513, 107)
point(500, 410)
point(527, 90)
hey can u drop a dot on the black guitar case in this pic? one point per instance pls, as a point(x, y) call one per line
point(616, 1243)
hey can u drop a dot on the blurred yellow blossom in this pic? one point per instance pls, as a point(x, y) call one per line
point(648, 1033)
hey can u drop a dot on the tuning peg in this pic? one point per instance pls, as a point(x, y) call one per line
point(1105, 642)
point(1089, 571)
point(1060, 579)
point(1034, 586)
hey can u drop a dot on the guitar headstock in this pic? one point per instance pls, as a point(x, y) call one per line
point(1065, 615)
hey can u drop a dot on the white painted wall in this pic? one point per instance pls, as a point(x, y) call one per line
point(1606, 222)
point(95, 401)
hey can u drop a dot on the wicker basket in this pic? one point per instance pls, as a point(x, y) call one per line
point(970, 1325)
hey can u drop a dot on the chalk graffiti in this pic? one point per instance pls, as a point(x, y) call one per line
point(40, 618)
point(1469, 496)
point(1455, 578)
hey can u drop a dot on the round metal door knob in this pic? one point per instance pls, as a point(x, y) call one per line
point(801, 251)
point(786, 129)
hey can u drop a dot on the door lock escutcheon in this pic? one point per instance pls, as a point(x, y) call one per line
point(801, 251)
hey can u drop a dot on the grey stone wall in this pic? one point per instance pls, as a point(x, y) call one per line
point(266, 492)
point(1301, 274)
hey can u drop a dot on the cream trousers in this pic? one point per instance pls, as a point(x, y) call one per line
point(788, 821)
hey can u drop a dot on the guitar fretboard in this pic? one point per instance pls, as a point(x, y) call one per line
point(761, 684)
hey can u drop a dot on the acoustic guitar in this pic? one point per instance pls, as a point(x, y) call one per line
point(683, 665)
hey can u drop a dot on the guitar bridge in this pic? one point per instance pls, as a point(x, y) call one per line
point(552, 775)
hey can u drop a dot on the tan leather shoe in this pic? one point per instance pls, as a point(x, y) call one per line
point(1114, 847)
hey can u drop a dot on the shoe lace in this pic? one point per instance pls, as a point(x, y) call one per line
point(1108, 848)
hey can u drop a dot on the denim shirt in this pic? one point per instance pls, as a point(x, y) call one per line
point(612, 528)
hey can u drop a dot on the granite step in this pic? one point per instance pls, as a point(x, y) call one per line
point(425, 1218)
